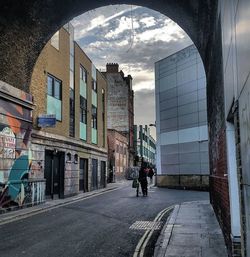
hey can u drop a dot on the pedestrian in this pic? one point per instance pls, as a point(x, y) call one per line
point(151, 174)
point(143, 179)
point(111, 176)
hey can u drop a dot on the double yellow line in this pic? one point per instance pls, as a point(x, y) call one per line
point(141, 246)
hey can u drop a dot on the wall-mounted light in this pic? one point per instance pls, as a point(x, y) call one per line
point(76, 158)
point(68, 157)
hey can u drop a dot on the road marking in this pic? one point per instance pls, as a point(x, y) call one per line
point(145, 225)
point(24, 216)
point(140, 248)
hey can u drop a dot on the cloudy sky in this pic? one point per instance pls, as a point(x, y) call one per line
point(135, 37)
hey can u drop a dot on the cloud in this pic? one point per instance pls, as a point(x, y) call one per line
point(125, 24)
point(98, 21)
point(106, 35)
point(148, 21)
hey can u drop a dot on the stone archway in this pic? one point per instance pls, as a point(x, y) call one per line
point(27, 25)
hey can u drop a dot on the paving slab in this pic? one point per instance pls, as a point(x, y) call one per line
point(192, 230)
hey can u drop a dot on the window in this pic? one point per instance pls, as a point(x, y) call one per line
point(103, 118)
point(94, 117)
point(50, 85)
point(54, 87)
point(94, 85)
point(83, 74)
point(83, 110)
point(103, 100)
point(72, 113)
point(54, 97)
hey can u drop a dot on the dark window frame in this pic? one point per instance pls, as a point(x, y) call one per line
point(83, 110)
point(94, 117)
point(94, 85)
point(83, 71)
point(54, 79)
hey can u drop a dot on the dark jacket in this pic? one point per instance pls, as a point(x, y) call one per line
point(142, 175)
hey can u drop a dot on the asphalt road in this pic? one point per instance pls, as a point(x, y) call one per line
point(98, 226)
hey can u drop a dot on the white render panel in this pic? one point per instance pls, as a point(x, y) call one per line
point(169, 138)
point(168, 82)
point(181, 114)
point(184, 136)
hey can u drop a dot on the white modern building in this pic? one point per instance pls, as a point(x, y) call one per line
point(181, 121)
point(145, 145)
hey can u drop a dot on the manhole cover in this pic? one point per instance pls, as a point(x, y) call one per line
point(145, 225)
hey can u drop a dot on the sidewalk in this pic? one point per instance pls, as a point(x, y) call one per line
point(191, 231)
point(51, 204)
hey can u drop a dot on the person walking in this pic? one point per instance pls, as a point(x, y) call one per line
point(143, 179)
point(151, 174)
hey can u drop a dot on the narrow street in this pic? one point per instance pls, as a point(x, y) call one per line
point(99, 226)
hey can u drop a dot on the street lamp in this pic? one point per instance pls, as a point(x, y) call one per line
point(152, 125)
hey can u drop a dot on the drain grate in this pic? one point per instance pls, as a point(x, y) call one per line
point(145, 225)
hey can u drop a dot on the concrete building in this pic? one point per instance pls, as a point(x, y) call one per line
point(121, 105)
point(145, 145)
point(118, 153)
point(65, 83)
point(181, 121)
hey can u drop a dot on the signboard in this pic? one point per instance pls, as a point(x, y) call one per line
point(7, 143)
point(46, 120)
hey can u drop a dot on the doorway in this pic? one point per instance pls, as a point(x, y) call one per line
point(83, 175)
point(94, 182)
point(54, 174)
point(103, 174)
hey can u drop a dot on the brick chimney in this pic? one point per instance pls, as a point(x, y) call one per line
point(112, 67)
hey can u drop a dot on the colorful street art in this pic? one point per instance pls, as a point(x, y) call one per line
point(15, 153)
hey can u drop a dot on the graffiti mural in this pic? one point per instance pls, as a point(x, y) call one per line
point(15, 153)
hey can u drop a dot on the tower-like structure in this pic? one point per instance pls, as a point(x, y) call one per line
point(120, 105)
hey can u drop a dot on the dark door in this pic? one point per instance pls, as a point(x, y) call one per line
point(103, 174)
point(47, 172)
point(54, 174)
point(94, 182)
point(83, 175)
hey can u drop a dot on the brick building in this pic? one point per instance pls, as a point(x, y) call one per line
point(65, 83)
point(121, 105)
point(118, 153)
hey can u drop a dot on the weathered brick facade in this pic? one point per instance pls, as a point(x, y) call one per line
point(118, 153)
point(120, 115)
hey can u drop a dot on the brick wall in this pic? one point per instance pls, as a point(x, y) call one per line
point(219, 192)
point(117, 159)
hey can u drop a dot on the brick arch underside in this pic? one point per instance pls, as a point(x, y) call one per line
point(27, 25)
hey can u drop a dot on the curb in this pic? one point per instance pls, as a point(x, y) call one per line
point(165, 235)
point(42, 208)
